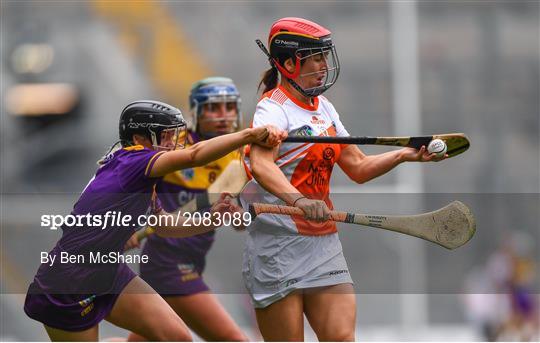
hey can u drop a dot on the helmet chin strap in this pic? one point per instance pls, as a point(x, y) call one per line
point(153, 137)
point(300, 89)
point(289, 76)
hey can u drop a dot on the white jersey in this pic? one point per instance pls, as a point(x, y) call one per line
point(307, 166)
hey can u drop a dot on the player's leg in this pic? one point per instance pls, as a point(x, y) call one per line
point(331, 312)
point(141, 310)
point(282, 320)
point(203, 313)
point(88, 335)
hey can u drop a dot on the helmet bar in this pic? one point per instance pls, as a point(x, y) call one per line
point(310, 92)
point(275, 63)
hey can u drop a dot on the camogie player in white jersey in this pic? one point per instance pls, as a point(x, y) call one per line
point(294, 265)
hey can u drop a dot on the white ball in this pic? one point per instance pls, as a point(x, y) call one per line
point(438, 147)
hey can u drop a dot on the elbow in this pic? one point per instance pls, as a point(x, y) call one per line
point(360, 178)
point(359, 181)
point(256, 169)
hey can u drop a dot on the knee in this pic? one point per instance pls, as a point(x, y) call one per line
point(233, 336)
point(339, 335)
point(133, 337)
point(174, 337)
point(227, 335)
point(347, 336)
point(175, 333)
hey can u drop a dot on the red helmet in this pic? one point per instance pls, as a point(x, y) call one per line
point(299, 38)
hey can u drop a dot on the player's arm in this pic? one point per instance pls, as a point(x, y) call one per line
point(271, 178)
point(361, 168)
point(209, 150)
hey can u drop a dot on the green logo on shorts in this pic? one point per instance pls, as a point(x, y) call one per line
point(290, 282)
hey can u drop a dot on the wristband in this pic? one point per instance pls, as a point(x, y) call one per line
point(302, 197)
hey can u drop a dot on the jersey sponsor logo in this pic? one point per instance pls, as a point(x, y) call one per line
point(185, 196)
point(319, 172)
point(286, 42)
point(317, 121)
point(329, 153)
point(319, 124)
point(188, 173)
point(305, 130)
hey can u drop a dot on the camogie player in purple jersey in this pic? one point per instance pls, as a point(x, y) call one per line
point(176, 265)
point(69, 298)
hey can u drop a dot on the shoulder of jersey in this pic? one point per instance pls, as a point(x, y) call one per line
point(137, 150)
point(275, 95)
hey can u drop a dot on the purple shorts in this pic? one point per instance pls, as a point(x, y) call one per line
point(175, 266)
point(75, 312)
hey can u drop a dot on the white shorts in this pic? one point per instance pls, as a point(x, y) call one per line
point(274, 265)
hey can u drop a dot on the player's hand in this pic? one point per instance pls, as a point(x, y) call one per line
point(226, 204)
point(420, 155)
point(132, 243)
point(223, 204)
point(268, 136)
point(315, 210)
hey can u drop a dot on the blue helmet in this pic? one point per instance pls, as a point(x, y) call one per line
point(213, 90)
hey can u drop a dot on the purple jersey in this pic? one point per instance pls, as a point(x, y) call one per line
point(121, 185)
point(76, 297)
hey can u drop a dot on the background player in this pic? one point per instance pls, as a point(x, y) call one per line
point(175, 266)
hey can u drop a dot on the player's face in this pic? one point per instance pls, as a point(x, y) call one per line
point(313, 71)
point(172, 139)
point(218, 118)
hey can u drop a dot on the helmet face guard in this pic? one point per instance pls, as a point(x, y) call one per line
point(329, 74)
point(168, 137)
point(163, 124)
point(301, 39)
point(214, 90)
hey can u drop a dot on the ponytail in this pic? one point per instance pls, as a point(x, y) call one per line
point(269, 79)
point(109, 153)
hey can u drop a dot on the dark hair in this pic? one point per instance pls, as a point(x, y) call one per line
point(269, 79)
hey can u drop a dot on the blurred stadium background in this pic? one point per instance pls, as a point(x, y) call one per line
point(407, 68)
